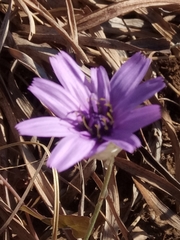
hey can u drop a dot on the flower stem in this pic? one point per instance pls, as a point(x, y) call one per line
point(102, 196)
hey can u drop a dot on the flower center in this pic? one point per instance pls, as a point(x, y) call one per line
point(99, 121)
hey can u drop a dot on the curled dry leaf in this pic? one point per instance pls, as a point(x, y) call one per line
point(78, 224)
point(27, 62)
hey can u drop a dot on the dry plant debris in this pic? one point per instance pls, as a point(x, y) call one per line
point(143, 199)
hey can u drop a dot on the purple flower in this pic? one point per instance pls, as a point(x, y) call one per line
point(91, 114)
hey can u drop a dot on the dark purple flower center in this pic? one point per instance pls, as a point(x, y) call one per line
point(99, 120)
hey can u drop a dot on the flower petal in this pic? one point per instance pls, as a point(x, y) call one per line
point(128, 76)
point(55, 97)
point(69, 151)
point(138, 95)
point(94, 80)
point(63, 60)
point(70, 76)
point(103, 84)
point(138, 118)
point(45, 127)
point(100, 81)
point(128, 144)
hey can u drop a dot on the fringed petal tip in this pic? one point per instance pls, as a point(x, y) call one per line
point(128, 77)
point(63, 65)
point(18, 128)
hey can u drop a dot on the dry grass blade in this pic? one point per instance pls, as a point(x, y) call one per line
point(110, 55)
point(38, 52)
point(72, 21)
point(101, 197)
point(74, 185)
point(148, 176)
point(160, 24)
point(21, 201)
point(159, 167)
point(21, 105)
point(117, 9)
point(81, 205)
point(161, 209)
point(60, 30)
point(121, 225)
point(6, 107)
point(30, 16)
point(56, 205)
point(78, 224)
point(15, 224)
point(173, 136)
point(5, 26)
point(27, 62)
point(174, 140)
point(106, 43)
point(113, 195)
point(41, 183)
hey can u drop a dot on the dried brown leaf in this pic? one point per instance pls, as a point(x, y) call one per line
point(174, 140)
point(148, 176)
point(106, 43)
point(114, 196)
point(8, 112)
point(157, 21)
point(30, 16)
point(41, 182)
point(158, 206)
point(21, 106)
point(16, 226)
point(71, 20)
point(120, 223)
point(117, 9)
point(71, 192)
point(59, 29)
point(5, 26)
point(28, 62)
point(78, 224)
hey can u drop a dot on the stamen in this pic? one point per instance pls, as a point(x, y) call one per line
point(98, 128)
point(85, 124)
point(102, 99)
point(110, 107)
point(105, 123)
point(110, 117)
